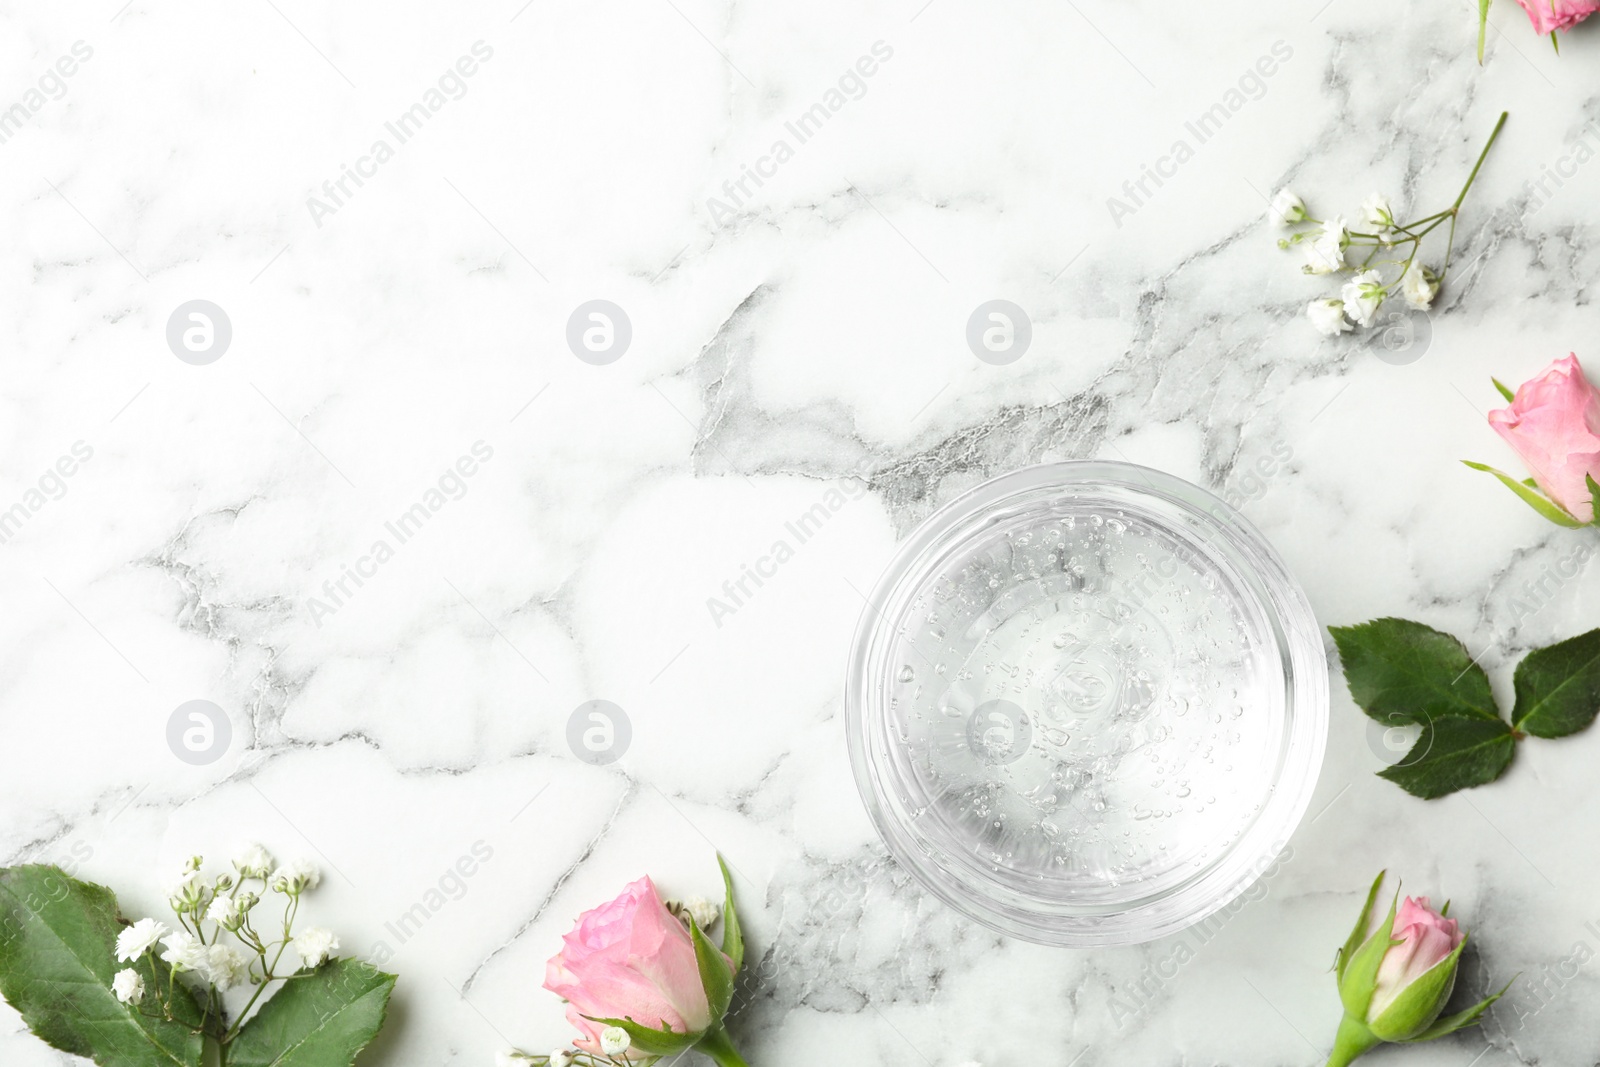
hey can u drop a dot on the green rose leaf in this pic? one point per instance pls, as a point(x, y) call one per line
point(57, 959)
point(1558, 688)
point(1402, 672)
point(1454, 753)
point(321, 1020)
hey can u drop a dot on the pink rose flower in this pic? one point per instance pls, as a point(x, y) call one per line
point(1427, 939)
point(629, 959)
point(1554, 424)
point(1550, 15)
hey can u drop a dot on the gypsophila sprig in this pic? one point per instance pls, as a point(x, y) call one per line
point(1383, 257)
point(60, 937)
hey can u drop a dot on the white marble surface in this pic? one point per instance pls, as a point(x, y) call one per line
point(813, 342)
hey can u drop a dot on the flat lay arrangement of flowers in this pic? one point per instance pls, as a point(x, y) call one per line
point(1015, 710)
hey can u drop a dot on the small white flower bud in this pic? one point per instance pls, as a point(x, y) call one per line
point(1287, 209)
point(702, 911)
point(614, 1040)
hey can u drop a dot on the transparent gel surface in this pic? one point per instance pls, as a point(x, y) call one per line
point(1086, 702)
point(1075, 701)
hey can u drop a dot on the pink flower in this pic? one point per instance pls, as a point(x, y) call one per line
point(1554, 424)
point(629, 959)
point(1426, 937)
point(1550, 15)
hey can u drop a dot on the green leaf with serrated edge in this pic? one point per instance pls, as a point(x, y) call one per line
point(1558, 688)
point(1402, 672)
point(1535, 500)
point(732, 933)
point(1360, 976)
point(321, 1020)
point(1449, 1024)
point(1416, 1006)
point(648, 1038)
point(715, 974)
point(1452, 754)
point(57, 959)
point(1504, 391)
point(1358, 933)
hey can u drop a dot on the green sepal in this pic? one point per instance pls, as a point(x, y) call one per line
point(648, 1038)
point(1418, 1005)
point(715, 974)
point(1359, 933)
point(1449, 1024)
point(1360, 975)
point(1498, 384)
point(1534, 500)
point(1594, 500)
point(732, 933)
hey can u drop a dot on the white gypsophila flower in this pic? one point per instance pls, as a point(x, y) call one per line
point(702, 911)
point(315, 945)
point(127, 985)
point(1363, 296)
point(139, 938)
point(185, 952)
point(1325, 254)
point(1287, 209)
point(1419, 286)
point(253, 861)
point(296, 875)
point(1327, 316)
point(560, 1058)
point(614, 1040)
point(225, 912)
point(183, 886)
point(1375, 210)
point(224, 966)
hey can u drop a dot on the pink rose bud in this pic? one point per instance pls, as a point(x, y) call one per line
point(1554, 425)
point(641, 983)
point(1395, 974)
point(629, 959)
point(1548, 16)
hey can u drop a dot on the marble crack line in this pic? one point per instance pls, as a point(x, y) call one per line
point(555, 890)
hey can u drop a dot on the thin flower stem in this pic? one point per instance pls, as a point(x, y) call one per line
point(1481, 156)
